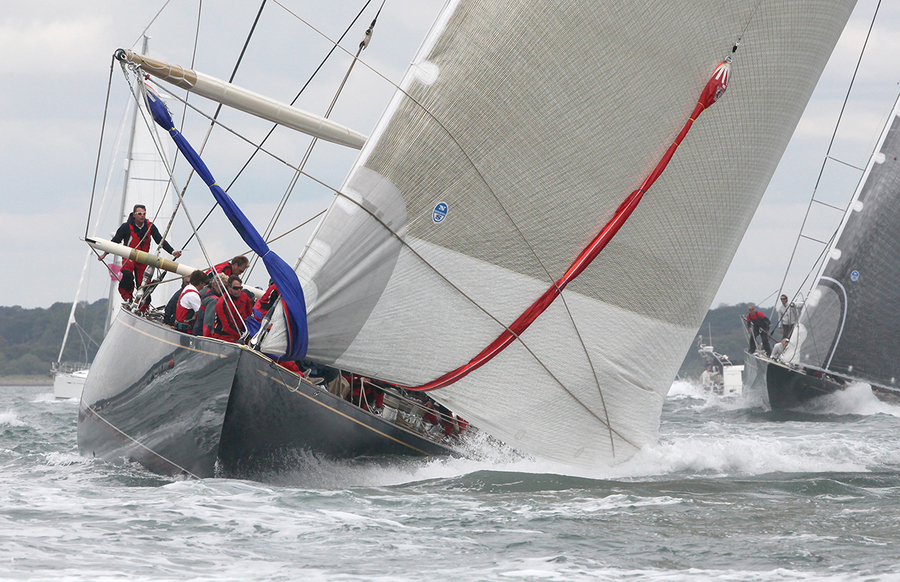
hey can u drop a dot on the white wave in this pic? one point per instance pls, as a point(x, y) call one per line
point(858, 399)
point(58, 459)
point(49, 398)
point(10, 418)
point(688, 391)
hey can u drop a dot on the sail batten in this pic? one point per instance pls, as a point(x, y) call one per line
point(843, 327)
point(517, 135)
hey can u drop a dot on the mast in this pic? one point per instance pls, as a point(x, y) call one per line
point(71, 319)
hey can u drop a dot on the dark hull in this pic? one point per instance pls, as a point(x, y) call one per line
point(181, 404)
point(787, 387)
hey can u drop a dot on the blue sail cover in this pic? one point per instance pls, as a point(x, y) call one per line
point(284, 277)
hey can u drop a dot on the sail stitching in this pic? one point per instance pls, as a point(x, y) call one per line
point(714, 89)
point(485, 311)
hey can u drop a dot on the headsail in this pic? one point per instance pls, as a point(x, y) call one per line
point(292, 301)
point(846, 325)
point(517, 135)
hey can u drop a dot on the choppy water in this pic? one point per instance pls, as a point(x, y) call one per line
point(731, 492)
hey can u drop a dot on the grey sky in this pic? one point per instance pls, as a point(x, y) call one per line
point(56, 66)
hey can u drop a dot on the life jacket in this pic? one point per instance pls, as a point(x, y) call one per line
point(225, 324)
point(223, 268)
point(184, 317)
point(758, 320)
point(264, 303)
point(136, 242)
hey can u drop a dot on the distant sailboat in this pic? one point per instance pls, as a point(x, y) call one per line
point(69, 377)
point(847, 332)
point(497, 243)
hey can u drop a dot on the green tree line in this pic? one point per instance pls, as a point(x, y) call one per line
point(30, 338)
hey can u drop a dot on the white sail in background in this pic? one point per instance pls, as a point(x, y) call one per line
point(522, 126)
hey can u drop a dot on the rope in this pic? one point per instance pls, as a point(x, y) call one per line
point(93, 412)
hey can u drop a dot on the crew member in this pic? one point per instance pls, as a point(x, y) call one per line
point(758, 324)
point(134, 233)
point(789, 315)
point(189, 302)
point(235, 266)
point(230, 315)
point(261, 308)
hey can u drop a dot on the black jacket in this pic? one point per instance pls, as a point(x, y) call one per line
point(123, 234)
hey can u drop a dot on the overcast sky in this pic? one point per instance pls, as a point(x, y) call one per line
point(55, 66)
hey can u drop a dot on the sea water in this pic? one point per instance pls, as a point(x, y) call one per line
point(730, 492)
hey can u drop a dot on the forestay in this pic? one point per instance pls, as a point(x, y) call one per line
point(520, 128)
point(848, 325)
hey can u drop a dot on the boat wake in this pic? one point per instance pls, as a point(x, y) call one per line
point(857, 399)
point(698, 398)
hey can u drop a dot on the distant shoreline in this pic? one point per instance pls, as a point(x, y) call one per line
point(36, 380)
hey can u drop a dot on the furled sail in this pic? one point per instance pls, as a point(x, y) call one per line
point(292, 302)
point(847, 325)
point(518, 134)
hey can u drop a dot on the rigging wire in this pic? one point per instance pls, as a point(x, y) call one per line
point(184, 115)
point(149, 24)
point(837, 125)
point(215, 116)
point(87, 224)
point(312, 144)
point(294, 100)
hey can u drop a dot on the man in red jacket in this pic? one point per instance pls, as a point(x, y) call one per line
point(136, 233)
point(235, 266)
point(189, 302)
point(758, 324)
point(230, 314)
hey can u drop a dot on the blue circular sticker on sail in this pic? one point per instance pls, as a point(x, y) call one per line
point(854, 276)
point(439, 213)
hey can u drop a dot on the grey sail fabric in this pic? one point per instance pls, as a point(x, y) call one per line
point(846, 326)
point(520, 129)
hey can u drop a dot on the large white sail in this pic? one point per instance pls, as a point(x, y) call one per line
point(521, 128)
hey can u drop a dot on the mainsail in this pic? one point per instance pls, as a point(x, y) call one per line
point(517, 134)
point(846, 325)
